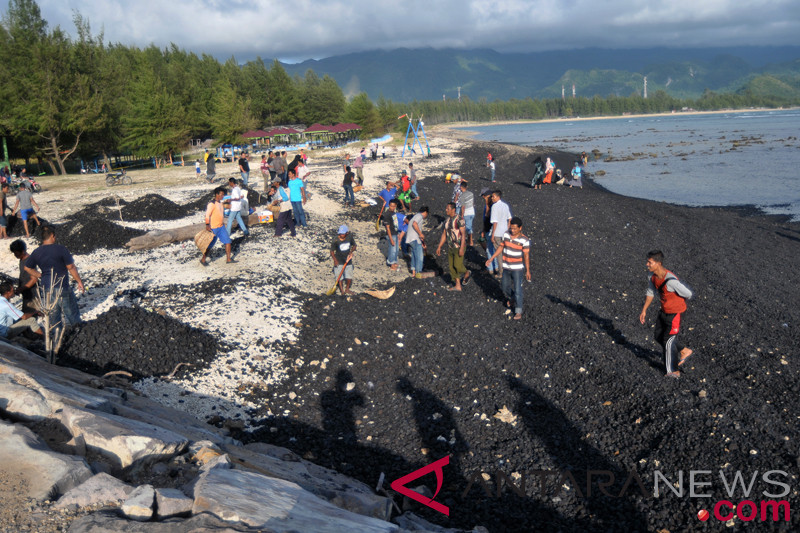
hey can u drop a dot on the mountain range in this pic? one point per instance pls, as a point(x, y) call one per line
point(408, 74)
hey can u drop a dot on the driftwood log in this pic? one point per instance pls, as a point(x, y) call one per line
point(156, 238)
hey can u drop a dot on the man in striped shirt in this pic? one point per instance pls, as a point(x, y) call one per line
point(516, 260)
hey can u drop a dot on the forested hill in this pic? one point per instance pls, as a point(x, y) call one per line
point(427, 74)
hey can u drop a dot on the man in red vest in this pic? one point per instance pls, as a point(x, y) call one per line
point(673, 295)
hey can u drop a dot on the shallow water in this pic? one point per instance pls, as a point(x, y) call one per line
point(730, 159)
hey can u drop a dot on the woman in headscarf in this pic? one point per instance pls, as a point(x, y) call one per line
point(549, 168)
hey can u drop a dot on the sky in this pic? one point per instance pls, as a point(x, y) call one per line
point(296, 30)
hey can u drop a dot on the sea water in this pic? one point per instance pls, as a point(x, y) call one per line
point(728, 159)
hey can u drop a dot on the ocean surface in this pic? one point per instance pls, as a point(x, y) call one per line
point(729, 159)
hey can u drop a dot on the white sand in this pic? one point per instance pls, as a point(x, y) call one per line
point(262, 313)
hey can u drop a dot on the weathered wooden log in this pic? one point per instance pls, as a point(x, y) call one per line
point(156, 238)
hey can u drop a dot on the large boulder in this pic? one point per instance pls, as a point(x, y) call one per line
point(122, 440)
point(47, 474)
point(98, 489)
point(338, 489)
point(172, 502)
point(139, 505)
point(274, 504)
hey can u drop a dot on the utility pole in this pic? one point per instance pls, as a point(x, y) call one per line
point(645, 87)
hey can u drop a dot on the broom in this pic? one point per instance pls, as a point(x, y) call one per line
point(333, 289)
point(378, 222)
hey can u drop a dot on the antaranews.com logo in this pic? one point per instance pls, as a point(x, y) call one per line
point(750, 496)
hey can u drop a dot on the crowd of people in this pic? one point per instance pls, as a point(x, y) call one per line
point(499, 235)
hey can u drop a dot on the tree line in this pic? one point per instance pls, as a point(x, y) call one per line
point(64, 97)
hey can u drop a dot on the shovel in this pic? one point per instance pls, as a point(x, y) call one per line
point(333, 289)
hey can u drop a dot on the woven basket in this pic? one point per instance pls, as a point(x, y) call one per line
point(382, 295)
point(203, 239)
point(357, 188)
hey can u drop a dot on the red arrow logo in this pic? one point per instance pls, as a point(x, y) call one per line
point(399, 485)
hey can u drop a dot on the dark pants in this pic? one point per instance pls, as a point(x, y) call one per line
point(666, 334)
point(284, 219)
point(349, 197)
point(512, 287)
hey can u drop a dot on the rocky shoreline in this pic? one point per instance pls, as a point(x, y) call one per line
point(394, 385)
point(367, 386)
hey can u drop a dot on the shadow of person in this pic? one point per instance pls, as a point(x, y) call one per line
point(570, 452)
point(436, 427)
point(338, 404)
point(606, 325)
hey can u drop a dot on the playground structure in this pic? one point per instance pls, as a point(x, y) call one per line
point(416, 130)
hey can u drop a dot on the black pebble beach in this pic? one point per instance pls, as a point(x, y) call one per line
point(393, 385)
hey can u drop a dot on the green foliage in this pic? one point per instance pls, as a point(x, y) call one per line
point(153, 123)
point(362, 111)
point(230, 114)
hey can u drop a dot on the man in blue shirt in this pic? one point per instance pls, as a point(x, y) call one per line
point(54, 264)
point(12, 320)
point(297, 195)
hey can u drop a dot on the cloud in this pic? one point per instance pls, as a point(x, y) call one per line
point(314, 28)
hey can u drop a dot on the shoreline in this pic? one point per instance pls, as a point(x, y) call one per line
point(454, 125)
point(453, 131)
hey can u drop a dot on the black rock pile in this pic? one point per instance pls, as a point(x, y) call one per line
point(86, 236)
point(138, 341)
point(576, 385)
point(154, 207)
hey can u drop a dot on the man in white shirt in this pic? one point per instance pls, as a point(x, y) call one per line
point(500, 218)
point(236, 208)
point(12, 320)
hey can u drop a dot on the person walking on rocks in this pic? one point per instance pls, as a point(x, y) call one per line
point(673, 295)
point(347, 185)
point(12, 320)
point(235, 214)
point(3, 209)
point(455, 237)
point(265, 171)
point(491, 166)
point(500, 218)
point(26, 281)
point(515, 250)
point(467, 202)
point(54, 264)
point(297, 195)
point(412, 174)
point(358, 165)
point(285, 218)
point(211, 168)
point(415, 239)
point(244, 168)
point(392, 222)
point(26, 204)
point(342, 249)
point(215, 218)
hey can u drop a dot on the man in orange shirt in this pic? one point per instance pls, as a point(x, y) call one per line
point(673, 295)
point(215, 223)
